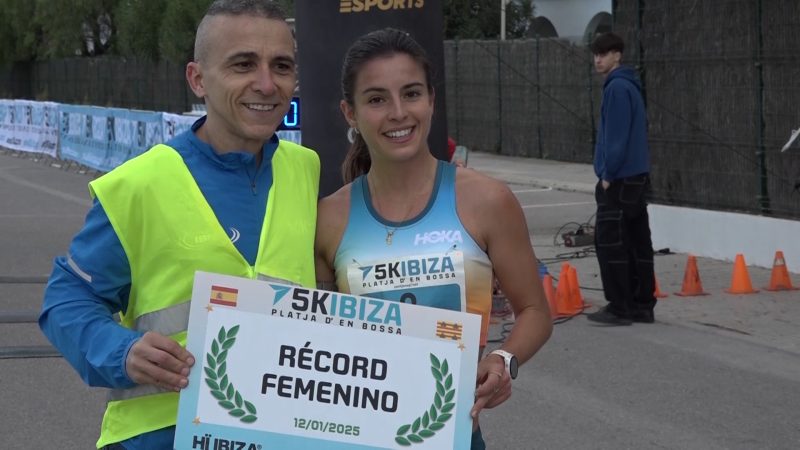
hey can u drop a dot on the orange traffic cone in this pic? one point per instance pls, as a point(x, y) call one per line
point(740, 283)
point(779, 281)
point(575, 289)
point(691, 280)
point(574, 300)
point(564, 294)
point(658, 293)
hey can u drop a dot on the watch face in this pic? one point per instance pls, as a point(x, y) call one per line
point(513, 367)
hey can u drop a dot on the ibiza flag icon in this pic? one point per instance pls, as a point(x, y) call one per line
point(449, 330)
point(221, 295)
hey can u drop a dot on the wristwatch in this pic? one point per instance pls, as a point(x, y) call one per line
point(511, 362)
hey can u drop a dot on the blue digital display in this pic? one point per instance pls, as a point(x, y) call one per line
point(292, 119)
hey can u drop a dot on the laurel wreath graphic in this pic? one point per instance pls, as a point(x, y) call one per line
point(217, 379)
point(434, 418)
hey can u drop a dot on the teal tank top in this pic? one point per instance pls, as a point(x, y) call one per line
point(428, 260)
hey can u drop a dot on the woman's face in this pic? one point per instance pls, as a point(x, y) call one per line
point(392, 107)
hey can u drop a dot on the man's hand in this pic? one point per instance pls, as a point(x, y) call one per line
point(158, 360)
point(494, 384)
point(606, 184)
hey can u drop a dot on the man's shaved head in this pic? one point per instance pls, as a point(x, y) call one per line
point(256, 8)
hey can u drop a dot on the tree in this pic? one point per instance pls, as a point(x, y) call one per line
point(74, 27)
point(459, 19)
point(136, 35)
point(288, 6)
point(18, 35)
point(480, 19)
point(519, 17)
point(176, 36)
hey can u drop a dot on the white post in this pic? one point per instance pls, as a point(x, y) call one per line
point(503, 19)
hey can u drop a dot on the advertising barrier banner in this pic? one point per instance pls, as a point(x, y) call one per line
point(103, 138)
point(175, 124)
point(131, 132)
point(83, 136)
point(100, 138)
point(280, 366)
point(291, 136)
point(29, 126)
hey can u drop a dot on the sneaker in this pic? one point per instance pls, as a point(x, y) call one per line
point(645, 316)
point(606, 317)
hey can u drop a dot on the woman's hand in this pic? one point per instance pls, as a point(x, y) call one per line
point(493, 382)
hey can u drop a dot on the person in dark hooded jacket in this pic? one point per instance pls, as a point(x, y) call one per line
point(622, 166)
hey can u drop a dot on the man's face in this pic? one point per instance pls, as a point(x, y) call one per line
point(604, 63)
point(247, 76)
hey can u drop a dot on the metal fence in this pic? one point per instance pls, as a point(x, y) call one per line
point(722, 85)
point(533, 97)
point(130, 83)
point(723, 94)
point(721, 80)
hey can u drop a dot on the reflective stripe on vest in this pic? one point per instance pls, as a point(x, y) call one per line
point(169, 232)
point(167, 321)
point(139, 391)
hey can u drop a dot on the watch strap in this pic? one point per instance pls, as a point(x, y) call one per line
point(507, 357)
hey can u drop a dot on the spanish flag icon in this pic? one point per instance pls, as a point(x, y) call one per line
point(221, 295)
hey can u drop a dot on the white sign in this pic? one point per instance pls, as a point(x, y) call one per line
point(294, 368)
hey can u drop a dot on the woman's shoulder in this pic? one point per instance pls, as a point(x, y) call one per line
point(483, 203)
point(332, 214)
point(338, 199)
point(333, 210)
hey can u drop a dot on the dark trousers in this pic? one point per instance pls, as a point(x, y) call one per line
point(624, 248)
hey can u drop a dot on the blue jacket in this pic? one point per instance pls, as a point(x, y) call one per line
point(622, 149)
point(93, 282)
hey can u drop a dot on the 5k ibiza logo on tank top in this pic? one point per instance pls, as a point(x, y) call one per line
point(435, 280)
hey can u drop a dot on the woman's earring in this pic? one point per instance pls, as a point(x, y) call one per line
point(351, 134)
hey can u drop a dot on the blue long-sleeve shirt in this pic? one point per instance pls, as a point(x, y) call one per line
point(93, 281)
point(622, 150)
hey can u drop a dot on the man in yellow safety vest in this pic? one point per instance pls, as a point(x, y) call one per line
point(226, 196)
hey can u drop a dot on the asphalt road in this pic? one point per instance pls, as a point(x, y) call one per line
point(675, 384)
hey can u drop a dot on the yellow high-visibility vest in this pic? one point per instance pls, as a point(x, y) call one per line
point(169, 231)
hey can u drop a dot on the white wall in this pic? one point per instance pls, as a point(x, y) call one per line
point(570, 17)
point(721, 235)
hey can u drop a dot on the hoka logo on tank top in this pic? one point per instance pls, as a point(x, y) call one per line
point(436, 237)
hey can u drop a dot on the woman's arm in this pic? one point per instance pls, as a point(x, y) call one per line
point(509, 247)
point(495, 219)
